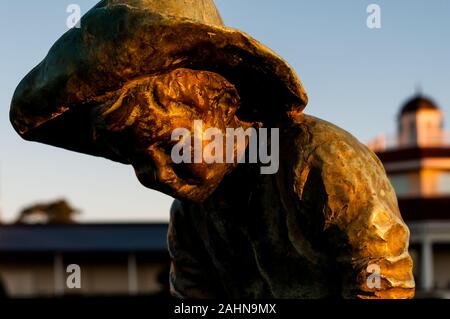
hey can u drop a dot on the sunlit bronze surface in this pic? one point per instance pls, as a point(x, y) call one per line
point(137, 70)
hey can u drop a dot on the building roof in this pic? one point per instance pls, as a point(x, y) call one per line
point(420, 209)
point(417, 103)
point(413, 153)
point(84, 238)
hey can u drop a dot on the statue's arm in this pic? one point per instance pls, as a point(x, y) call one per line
point(376, 238)
point(362, 221)
point(190, 275)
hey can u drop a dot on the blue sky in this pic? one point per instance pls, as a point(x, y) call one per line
point(356, 77)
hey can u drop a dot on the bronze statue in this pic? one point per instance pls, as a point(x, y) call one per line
point(136, 70)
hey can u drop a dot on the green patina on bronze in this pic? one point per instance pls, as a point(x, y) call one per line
point(136, 70)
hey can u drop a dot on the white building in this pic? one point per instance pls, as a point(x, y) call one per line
point(417, 161)
point(114, 259)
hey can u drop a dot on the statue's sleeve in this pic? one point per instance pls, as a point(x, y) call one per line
point(361, 220)
point(190, 275)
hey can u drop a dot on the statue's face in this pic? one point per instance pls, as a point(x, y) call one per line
point(137, 123)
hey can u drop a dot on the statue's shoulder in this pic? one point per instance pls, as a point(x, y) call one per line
point(334, 163)
point(318, 131)
point(342, 163)
point(326, 141)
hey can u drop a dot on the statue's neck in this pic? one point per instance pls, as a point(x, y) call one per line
point(249, 179)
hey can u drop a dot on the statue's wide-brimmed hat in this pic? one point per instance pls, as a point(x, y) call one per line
point(119, 41)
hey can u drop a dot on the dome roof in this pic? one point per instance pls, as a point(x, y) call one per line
point(418, 103)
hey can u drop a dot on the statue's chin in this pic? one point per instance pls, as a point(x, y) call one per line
point(189, 182)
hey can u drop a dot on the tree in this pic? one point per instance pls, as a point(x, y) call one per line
point(57, 212)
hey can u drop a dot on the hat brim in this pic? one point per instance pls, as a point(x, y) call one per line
point(119, 43)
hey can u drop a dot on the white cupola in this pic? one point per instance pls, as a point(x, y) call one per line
point(420, 123)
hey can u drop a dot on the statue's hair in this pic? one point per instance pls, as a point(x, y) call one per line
point(202, 90)
point(147, 105)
